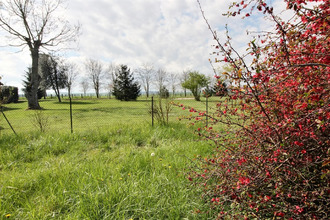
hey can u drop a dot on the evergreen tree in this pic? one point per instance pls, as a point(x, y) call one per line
point(27, 85)
point(125, 88)
point(208, 91)
point(220, 88)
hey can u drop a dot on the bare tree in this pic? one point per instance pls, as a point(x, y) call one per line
point(54, 73)
point(145, 74)
point(183, 78)
point(84, 85)
point(32, 23)
point(173, 80)
point(95, 72)
point(161, 79)
point(71, 74)
point(111, 75)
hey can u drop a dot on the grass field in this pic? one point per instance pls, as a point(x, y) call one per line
point(116, 167)
point(88, 114)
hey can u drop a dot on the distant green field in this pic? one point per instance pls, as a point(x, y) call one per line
point(88, 114)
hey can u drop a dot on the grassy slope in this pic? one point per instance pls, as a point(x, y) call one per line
point(99, 175)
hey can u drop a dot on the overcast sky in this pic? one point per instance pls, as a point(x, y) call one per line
point(167, 33)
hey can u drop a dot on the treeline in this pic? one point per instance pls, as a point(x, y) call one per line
point(56, 73)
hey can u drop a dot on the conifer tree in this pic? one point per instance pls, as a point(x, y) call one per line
point(27, 85)
point(125, 88)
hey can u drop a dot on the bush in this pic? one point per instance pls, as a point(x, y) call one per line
point(160, 110)
point(9, 94)
point(164, 93)
point(272, 161)
point(40, 120)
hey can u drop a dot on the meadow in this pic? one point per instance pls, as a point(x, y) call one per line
point(115, 165)
point(87, 114)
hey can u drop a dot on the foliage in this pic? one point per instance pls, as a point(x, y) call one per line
point(183, 78)
point(218, 89)
point(272, 161)
point(208, 92)
point(164, 93)
point(27, 85)
point(195, 82)
point(54, 73)
point(125, 88)
point(8, 94)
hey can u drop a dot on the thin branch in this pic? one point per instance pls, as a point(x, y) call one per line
point(236, 66)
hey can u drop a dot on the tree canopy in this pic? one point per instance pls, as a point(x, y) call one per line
point(125, 88)
point(195, 82)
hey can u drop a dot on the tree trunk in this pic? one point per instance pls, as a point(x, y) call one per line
point(97, 90)
point(147, 90)
point(196, 94)
point(69, 91)
point(97, 93)
point(57, 90)
point(32, 94)
point(58, 96)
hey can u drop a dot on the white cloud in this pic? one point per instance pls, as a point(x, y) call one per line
point(170, 34)
point(13, 66)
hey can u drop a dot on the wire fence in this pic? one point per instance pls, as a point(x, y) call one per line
point(83, 114)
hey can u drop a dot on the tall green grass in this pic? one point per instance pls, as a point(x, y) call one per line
point(122, 172)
